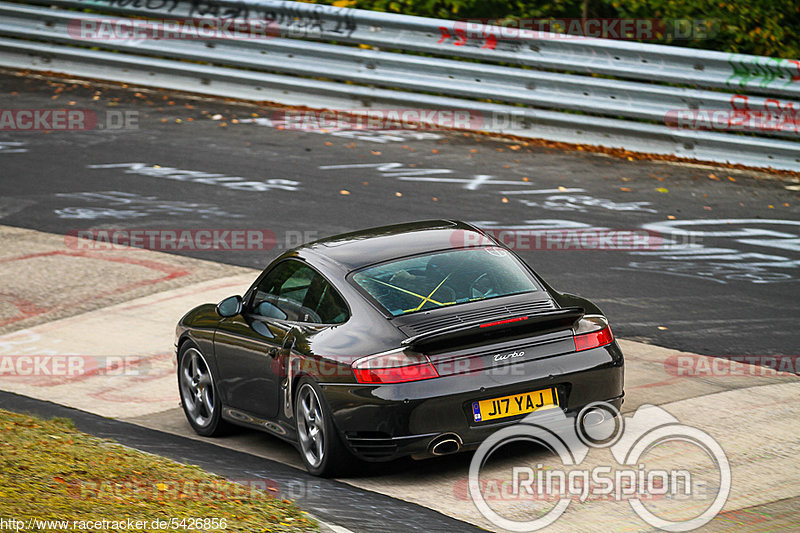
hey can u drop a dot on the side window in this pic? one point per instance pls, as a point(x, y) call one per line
point(294, 291)
point(331, 307)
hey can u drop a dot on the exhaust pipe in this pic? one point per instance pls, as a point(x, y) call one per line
point(445, 444)
point(599, 426)
point(594, 417)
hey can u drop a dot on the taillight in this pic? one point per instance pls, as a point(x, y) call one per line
point(592, 331)
point(393, 367)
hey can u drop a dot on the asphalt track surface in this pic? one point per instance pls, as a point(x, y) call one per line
point(734, 295)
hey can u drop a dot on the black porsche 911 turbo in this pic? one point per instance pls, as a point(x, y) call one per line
point(415, 339)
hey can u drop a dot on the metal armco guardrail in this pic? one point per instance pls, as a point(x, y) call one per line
point(544, 85)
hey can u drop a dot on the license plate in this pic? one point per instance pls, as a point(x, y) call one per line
point(513, 405)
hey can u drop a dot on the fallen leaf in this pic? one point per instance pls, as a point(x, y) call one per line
point(663, 328)
point(398, 194)
point(514, 147)
point(662, 190)
point(526, 179)
point(671, 217)
point(435, 199)
point(375, 152)
point(344, 192)
point(328, 143)
point(625, 189)
point(434, 151)
point(713, 177)
point(504, 200)
point(731, 178)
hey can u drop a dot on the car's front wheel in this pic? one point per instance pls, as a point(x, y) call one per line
point(320, 447)
point(199, 393)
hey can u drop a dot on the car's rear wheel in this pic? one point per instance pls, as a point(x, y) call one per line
point(321, 448)
point(199, 393)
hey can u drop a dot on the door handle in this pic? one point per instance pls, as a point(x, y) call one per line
point(272, 352)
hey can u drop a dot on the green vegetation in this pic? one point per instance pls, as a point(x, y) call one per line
point(51, 471)
point(761, 27)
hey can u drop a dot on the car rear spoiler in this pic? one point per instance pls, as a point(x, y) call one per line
point(475, 332)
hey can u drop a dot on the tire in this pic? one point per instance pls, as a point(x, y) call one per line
point(199, 393)
point(318, 441)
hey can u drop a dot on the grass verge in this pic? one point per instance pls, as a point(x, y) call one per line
point(50, 471)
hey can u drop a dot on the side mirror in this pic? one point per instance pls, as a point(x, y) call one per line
point(230, 306)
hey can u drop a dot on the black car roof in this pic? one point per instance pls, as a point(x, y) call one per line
point(365, 247)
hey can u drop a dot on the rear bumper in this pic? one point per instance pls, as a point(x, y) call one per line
point(384, 422)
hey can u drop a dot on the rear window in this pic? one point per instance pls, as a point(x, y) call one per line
point(444, 278)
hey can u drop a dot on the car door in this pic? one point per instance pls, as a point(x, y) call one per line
point(252, 348)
